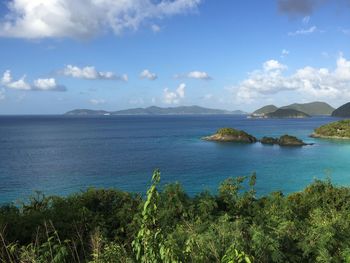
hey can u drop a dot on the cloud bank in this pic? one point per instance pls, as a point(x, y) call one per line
point(35, 19)
point(309, 81)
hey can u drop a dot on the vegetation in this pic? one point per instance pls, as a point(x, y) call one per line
point(312, 108)
point(338, 129)
point(234, 225)
point(288, 140)
point(287, 113)
point(231, 135)
point(269, 140)
point(264, 110)
point(342, 111)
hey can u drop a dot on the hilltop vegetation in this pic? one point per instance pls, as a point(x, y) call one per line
point(306, 109)
point(231, 135)
point(312, 108)
point(284, 140)
point(338, 129)
point(342, 111)
point(234, 225)
point(287, 113)
point(264, 110)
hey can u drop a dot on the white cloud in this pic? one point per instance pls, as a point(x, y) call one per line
point(146, 74)
point(90, 72)
point(343, 68)
point(7, 78)
point(308, 81)
point(47, 85)
point(97, 101)
point(198, 75)
point(39, 84)
point(174, 97)
point(85, 18)
point(194, 75)
point(8, 82)
point(272, 64)
point(304, 31)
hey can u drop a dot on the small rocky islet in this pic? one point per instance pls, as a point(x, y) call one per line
point(285, 140)
point(234, 135)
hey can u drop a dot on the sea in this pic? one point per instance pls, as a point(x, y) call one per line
point(61, 155)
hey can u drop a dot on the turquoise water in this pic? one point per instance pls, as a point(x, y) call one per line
point(61, 155)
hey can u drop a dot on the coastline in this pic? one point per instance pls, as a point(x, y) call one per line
point(316, 135)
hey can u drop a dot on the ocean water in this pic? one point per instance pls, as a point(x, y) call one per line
point(61, 155)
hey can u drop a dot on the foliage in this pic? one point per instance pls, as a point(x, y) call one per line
point(237, 134)
point(229, 131)
point(335, 129)
point(233, 225)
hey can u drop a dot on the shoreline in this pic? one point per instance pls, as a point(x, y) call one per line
point(316, 135)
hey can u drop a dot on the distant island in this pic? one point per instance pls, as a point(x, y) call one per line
point(334, 130)
point(153, 110)
point(287, 113)
point(234, 135)
point(297, 110)
point(342, 111)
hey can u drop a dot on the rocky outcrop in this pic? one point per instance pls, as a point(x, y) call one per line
point(285, 140)
point(231, 135)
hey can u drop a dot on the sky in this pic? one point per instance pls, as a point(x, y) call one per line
point(59, 55)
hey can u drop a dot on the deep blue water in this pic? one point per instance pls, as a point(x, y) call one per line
point(61, 155)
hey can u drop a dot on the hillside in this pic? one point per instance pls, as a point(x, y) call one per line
point(287, 113)
point(312, 108)
point(153, 110)
point(336, 130)
point(264, 110)
point(342, 111)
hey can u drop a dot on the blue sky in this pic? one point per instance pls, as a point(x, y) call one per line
point(58, 55)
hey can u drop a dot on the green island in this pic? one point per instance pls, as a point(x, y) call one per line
point(234, 135)
point(295, 110)
point(287, 113)
point(167, 225)
point(231, 135)
point(285, 140)
point(334, 130)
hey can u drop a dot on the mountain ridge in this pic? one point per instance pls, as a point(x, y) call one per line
point(154, 110)
point(315, 108)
